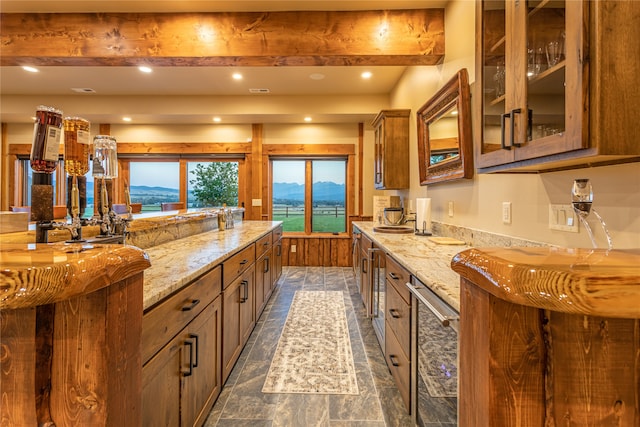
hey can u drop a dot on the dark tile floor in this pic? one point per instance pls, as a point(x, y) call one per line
point(241, 402)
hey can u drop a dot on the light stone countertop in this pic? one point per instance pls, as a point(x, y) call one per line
point(428, 261)
point(177, 263)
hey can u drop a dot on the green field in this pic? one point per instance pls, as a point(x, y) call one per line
point(321, 223)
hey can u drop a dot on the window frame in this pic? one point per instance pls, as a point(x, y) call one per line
point(312, 152)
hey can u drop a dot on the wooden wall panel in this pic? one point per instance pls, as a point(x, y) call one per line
point(317, 251)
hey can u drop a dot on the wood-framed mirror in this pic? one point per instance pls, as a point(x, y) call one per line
point(445, 148)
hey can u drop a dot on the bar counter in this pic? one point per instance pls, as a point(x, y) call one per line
point(549, 336)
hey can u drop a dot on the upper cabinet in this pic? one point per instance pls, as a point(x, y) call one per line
point(391, 164)
point(559, 84)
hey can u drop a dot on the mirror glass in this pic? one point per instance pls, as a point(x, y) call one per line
point(444, 133)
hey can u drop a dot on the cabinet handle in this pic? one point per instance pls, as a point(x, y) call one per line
point(279, 250)
point(190, 371)
point(265, 244)
point(394, 313)
point(393, 276)
point(394, 360)
point(245, 284)
point(195, 337)
point(513, 126)
point(190, 306)
point(244, 261)
point(503, 119)
point(530, 124)
point(362, 260)
point(266, 265)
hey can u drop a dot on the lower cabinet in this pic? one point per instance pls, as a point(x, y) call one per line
point(398, 327)
point(264, 282)
point(277, 261)
point(181, 381)
point(238, 300)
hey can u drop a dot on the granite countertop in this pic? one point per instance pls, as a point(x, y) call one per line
point(175, 264)
point(594, 282)
point(38, 274)
point(428, 261)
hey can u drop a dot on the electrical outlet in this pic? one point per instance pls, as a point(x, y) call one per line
point(293, 248)
point(506, 212)
point(563, 218)
point(256, 202)
point(451, 208)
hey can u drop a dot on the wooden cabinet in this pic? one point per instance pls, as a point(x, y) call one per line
point(398, 327)
point(264, 281)
point(277, 255)
point(365, 273)
point(181, 378)
point(391, 157)
point(239, 317)
point(557, 91)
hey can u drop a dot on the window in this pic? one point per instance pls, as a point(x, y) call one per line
point(212, 184)
point(153, 183)
point(309, 195)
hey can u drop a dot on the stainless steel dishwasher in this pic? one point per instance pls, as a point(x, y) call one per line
point(434, 358)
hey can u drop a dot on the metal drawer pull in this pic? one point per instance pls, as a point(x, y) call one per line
point(245, 298)
point(266, 265)
point(190, 371)
point(265, 244)
point(394, 313)
point(195, 337)
point(394, 360)
point(393, 276)
point(244, 261)
point(190, 306)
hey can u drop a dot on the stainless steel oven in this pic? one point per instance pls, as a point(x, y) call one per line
point(434, 358)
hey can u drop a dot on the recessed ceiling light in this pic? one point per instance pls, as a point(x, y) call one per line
point(366, 75)
point(237, 76)
point(454, 113)
point(217, 119)
point(316, 76)
point(308, 119)
point(145, 69)
point(126, 119)
point(83, 90)
point(30, 69)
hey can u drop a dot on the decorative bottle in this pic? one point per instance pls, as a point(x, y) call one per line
point(105, 157)
point(77, 146)
point(47, 132)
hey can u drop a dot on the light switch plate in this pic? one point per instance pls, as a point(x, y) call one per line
point(256, 202)
point(563, 218)
point(506, 212)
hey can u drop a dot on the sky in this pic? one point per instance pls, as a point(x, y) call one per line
point(167, 174)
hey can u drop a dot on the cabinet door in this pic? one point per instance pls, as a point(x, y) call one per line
point(247, 305)
point(277, 262)
point(202, 387)
point(263, 283)
point(161, 379)
point(530, 58)
point(239, 318)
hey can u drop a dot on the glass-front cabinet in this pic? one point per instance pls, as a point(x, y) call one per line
point(558, 84)
point(532, 77)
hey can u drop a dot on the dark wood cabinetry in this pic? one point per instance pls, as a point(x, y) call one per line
point(181, 344)
point(557, 89)
point(391, 156)
point(398, 327)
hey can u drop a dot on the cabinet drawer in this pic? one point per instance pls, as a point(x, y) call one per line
point(398, 316)
point(164, 321)
point(263, 245)
point(398, 277)
point(277, 233)
point(399, 366)
point(238, 263)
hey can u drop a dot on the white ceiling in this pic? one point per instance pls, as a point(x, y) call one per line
point(196, 81)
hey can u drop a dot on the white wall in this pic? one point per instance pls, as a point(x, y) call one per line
point(478, 202)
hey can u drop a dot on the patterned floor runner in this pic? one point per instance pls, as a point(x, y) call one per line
point(314, 351)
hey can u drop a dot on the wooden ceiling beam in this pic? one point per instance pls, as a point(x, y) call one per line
point(299, 38)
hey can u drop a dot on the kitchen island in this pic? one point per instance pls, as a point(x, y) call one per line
point(549, 336)
point(79, 320)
